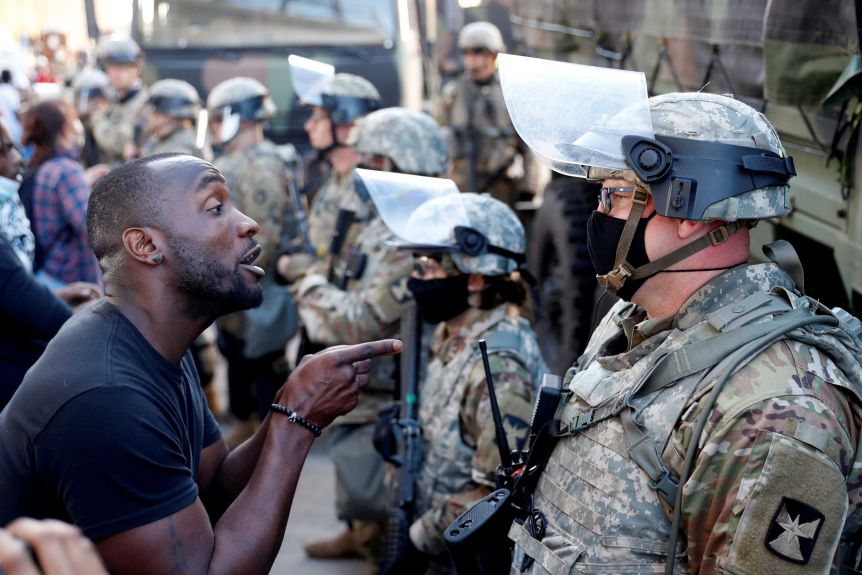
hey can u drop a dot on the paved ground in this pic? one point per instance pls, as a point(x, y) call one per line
point(312, 516)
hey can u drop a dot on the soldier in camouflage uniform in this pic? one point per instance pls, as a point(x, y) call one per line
point(473, 294)
point(369, 300)
point(174, 107)
point(90, 93)
point(260, 183)
point(770, 470)
point(115, 127)
point(487, 155)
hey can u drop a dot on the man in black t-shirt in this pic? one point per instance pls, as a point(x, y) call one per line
point(110, 429)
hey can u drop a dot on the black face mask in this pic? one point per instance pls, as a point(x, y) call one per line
point(440, 300)
point(603, 235)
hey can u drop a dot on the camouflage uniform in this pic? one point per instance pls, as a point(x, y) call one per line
point(115, 127)
point(784, 426)
point(337, 192)
point(178, 100)
point(459, 445)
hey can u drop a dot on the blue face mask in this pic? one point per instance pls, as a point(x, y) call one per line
point(8, 188)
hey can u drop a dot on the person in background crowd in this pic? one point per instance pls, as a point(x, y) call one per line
point(173, 112)
point(14, 224)
point(10, 105)
point(487, 155)
point(115, 127)
point(110, 428)
point(90, 93)
point(55, 194)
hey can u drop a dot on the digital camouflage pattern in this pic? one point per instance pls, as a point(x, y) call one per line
point(352, 86)
point(181, 96)
point(369, 308)
point(239, 89)
point(488, 216)
point(114, 128)
point(786, 425)
point(410, 139)
point(501, 167)
point(180, 141)
point(459, 446)
point(336, 192)
point(714, 118)
point(258, 182)
point(482, 35)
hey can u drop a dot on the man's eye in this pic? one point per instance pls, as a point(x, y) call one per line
point(217, 209)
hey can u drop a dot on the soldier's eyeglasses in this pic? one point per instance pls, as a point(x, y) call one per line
point(606, 197)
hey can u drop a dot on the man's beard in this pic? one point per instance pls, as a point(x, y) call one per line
point(213, 288)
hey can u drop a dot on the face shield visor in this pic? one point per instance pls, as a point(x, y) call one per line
point(309, 78)
point(427, 214)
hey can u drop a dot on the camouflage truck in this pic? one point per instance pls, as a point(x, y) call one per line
point(792, 59)
point(207, 41)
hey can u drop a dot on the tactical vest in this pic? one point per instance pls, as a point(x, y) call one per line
point(447, 464)
point(605, 492)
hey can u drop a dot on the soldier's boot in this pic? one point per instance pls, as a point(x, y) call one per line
point(369, 541)
point(341, 546)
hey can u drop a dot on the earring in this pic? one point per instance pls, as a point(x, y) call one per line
point(157, 259)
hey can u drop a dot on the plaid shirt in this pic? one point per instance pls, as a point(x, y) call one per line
point(60, 195)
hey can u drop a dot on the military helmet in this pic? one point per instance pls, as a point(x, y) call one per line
point(118, 50)
point(347, 97)
point(489, 242)
point(91, 80)
point(410, 139)
point(481, 35)
point(247, 95)
point(175, 98)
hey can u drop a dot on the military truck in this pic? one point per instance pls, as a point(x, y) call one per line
point(207, 41)
point(784, 57)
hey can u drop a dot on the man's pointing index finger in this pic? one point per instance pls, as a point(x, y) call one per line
point(370, 350)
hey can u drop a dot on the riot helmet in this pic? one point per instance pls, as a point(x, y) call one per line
point(237, 100)
point(410, 140)
point(481, 234)
point(175, 98)
point(89, 85)
point(481, 36)
point(345, 97)
point(118, 49)
point(700, 156)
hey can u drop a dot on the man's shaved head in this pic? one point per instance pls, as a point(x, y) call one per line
point(128, 197)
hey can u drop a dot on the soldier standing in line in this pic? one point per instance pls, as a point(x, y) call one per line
point(487, 155)
point(337, 101)
point(90, 92)
point(260, 184)
point(713, 423)
point(468, 258)
point(174, 107)
point(114, 127)
point(368, 296)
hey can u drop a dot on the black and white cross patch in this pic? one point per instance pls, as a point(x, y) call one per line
point(793, 531)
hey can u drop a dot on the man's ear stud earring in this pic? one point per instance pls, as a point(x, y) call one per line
point(157, 259)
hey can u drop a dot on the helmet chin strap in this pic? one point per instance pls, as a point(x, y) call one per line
point(624, 271)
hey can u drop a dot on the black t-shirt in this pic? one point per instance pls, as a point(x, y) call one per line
point(104, 432)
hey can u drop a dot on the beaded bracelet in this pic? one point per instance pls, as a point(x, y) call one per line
point(294, 417)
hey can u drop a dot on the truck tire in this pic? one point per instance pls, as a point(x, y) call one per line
point(566, 281)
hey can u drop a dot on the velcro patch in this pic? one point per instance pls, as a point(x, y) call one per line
point(794, 530)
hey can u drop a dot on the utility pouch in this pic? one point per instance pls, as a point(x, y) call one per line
point(474, 538)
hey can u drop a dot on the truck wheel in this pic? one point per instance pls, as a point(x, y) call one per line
point(566, 281)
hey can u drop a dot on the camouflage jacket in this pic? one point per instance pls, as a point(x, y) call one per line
point(777, 465)
point(499, 154)
point(460, 453)
point(337, 192)
point(180, 141)
point(114, 128)
point(258, 182)
point(368, 308)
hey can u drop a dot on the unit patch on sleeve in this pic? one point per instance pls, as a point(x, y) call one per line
point(793, 531)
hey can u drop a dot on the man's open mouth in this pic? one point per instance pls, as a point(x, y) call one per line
point(247, 262)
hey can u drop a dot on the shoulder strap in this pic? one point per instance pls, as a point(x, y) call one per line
point(502, 340)
point(782, 253)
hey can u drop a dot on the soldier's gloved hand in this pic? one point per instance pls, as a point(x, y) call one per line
point(326, 384)
point(292, 267)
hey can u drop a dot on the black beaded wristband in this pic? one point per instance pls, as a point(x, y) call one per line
point(294, 417)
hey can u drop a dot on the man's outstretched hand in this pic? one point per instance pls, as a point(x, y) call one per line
point(326, 384)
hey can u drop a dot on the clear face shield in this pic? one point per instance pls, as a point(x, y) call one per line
point(572, 116)
point(309, 78)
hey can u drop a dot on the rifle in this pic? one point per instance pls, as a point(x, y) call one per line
point(339, 234)
point(397, 547)
point(301, 216)
point(477, 537)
